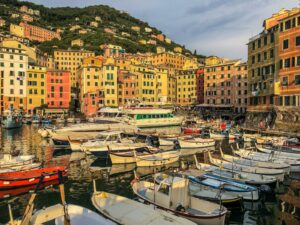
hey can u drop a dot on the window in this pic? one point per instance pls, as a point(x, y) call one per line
point(258, 43)
point(298, 41)
point(271, 53)
point(272, 38)
point(287, 24)
point(265, 55)
point(297, 79)
point(285, 81)
point(285, 44)
point(265, 40)
point(298, 60)
point(258, 57)
point(11, 82)
point(287, 63)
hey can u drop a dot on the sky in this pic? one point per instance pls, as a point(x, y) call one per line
point(212, 27)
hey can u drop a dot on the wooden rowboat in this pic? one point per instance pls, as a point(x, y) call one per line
point(126, 211)
point(29, 177)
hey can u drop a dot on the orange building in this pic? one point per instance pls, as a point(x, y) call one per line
point(91, 102)
point(289, 59)
point(40, 34)
point(58, 89)
point(126, 86)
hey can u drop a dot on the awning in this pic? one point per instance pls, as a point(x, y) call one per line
point(56, 111)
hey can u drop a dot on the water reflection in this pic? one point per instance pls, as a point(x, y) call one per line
point(281, 207)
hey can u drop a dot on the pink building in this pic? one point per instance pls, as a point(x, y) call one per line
point(58, 89)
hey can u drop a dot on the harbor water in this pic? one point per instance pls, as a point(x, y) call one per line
point(269, 210)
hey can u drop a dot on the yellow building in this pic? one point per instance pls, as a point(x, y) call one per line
point(70, 60)
point(146, 83)
point(162, 84)
point(160, 49)
point(142, 41)
point(186, 87)
point(90, 75)
point(168, 40)
point(110, 83)
point(178, 49)
point(169, 59)
point(16, 30)
point(77, 42)
point(36, 88)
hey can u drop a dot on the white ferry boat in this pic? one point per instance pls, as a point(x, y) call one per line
point(151, 117)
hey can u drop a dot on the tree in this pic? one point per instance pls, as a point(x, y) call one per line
point(195, 52)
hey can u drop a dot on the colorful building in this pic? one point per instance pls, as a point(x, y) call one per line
point(186, 87)
point(13, 67)
point(200, 85)
point(289, 60)
point(77, 42)
point(110, 83)
point(36, 88)
point(71, 60)
point(35, 33)
point(90, 76)
point(58, 89)
point(225, 83)
point(126, 87)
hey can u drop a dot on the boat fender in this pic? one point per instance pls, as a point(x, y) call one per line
point(180, 208)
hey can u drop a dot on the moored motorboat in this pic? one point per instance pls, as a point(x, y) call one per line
point(269, 165)
point(126, 211)
point(279, 151)
point(248, 178)
point(11, 120)
point(9, 161)
point(156, 159)
point(28, 166)
point(128, 157)
point(279, 174)
point(265, 157)
point(172, 195)
point(229, 186)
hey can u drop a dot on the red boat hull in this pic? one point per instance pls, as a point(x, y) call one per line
point(29, 177)
point(7, 193)
point(191, 130)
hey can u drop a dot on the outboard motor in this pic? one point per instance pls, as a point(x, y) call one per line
point(176, 144)
point(265, 188)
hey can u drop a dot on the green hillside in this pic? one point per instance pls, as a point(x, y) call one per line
point(65, 17)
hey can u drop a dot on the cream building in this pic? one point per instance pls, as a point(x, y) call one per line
point(13, 67)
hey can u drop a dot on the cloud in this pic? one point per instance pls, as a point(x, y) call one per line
point(219, 27)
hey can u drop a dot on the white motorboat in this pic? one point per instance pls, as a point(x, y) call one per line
point(11, 120)
point(87, 127)
point(265, 157)
point(172, 194)
point(279, 174)
point(109, 115)
point(248, 178)
point(9, 161)
point(78, 216)
point(269, 165)
point(279, 152)
point(157, 159)
point(29, 166)
point(229, 186)
point(150, 117)
point(128, 157)
point(126, 211)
